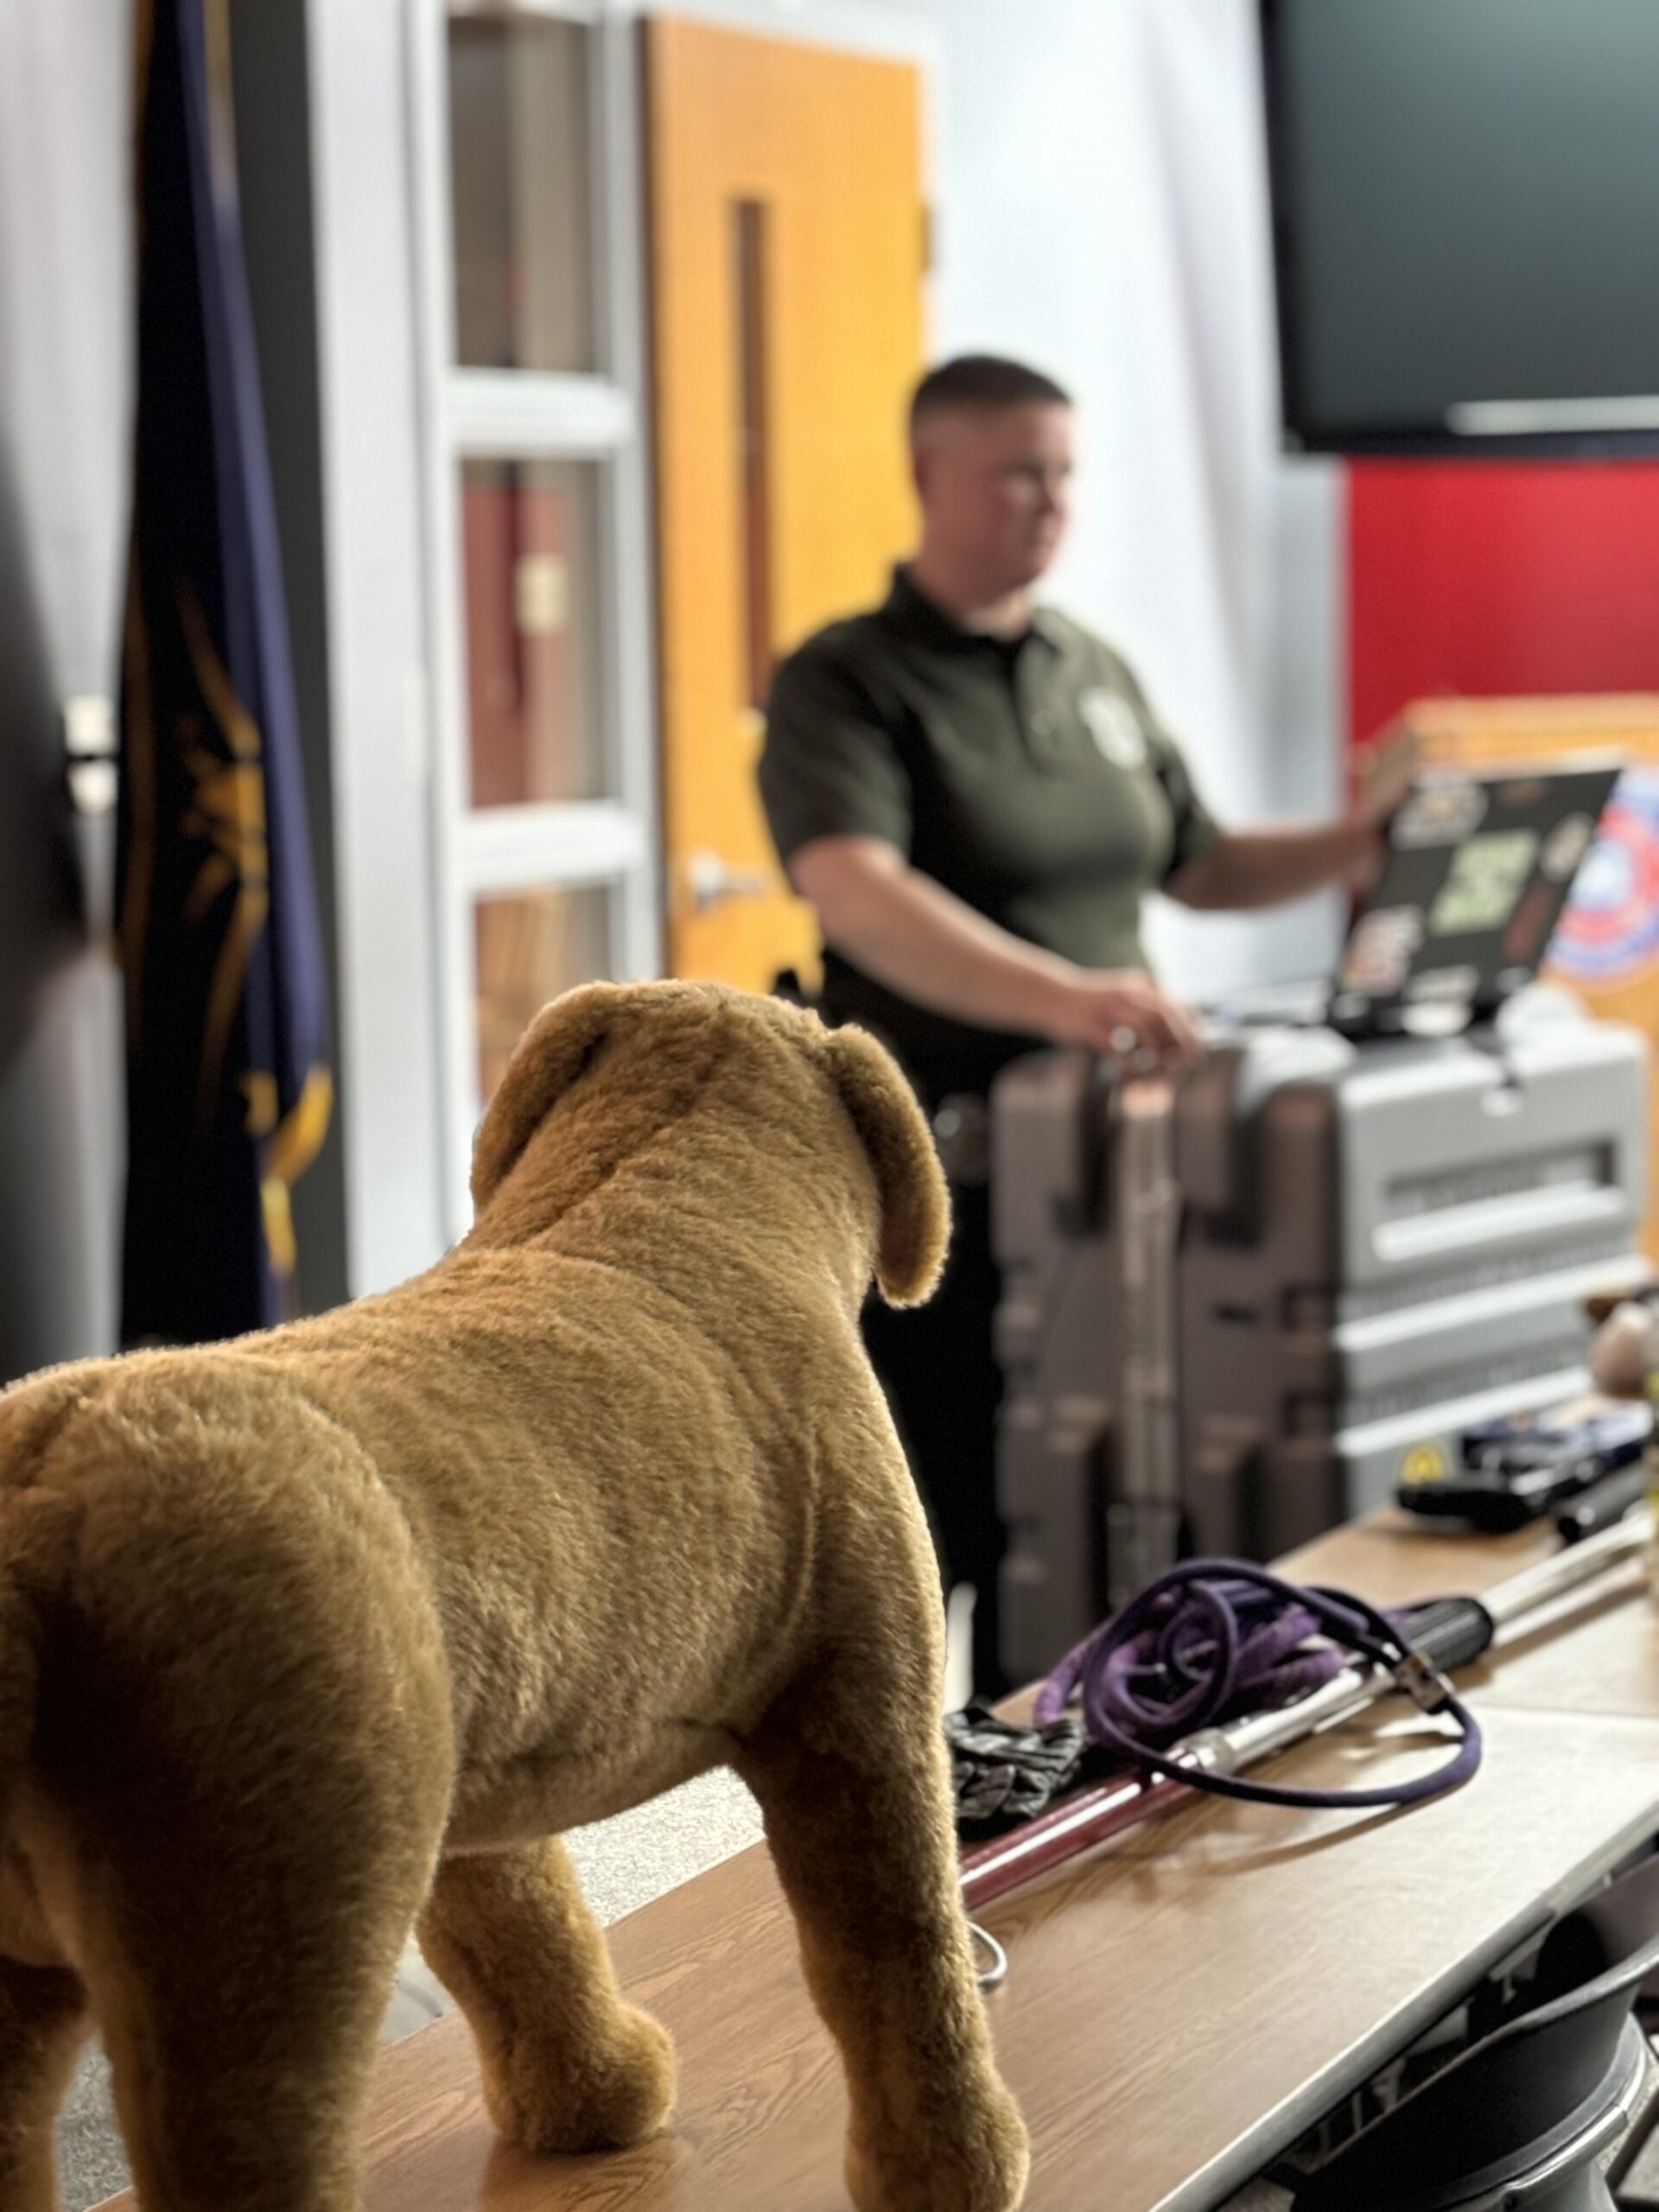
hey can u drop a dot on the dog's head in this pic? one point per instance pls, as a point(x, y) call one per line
point(636, 1056)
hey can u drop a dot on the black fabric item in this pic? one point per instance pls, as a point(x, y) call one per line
point(938, 1367)
point(1002, 1775)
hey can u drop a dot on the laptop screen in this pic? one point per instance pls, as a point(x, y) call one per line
point(1477, 870)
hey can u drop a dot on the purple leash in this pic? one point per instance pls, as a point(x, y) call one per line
point(1215, 1639)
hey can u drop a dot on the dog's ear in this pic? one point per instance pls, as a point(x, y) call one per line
point(547, 1060)
point(915, 1202)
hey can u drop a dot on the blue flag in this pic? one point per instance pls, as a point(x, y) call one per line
point(228, 1091)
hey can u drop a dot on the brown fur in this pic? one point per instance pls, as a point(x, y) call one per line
point(308, 1637)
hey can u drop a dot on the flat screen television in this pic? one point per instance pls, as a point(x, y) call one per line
point(1466, 206)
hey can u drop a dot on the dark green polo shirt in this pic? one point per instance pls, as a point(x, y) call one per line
point(1029, 777)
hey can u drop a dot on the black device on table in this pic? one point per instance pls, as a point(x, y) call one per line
point(1591, 1510)
point(1479, 864)
point(1572, 1456)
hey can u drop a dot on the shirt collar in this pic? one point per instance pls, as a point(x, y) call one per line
point(911, 611)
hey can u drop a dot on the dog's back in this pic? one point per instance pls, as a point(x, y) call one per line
point(192, 1539)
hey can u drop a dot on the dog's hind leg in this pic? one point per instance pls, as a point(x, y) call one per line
point(240, 2073)
point(242, 1765)
point(240, 1978)
point(851, 1774)
point(43, 2022)
point(567, 2063)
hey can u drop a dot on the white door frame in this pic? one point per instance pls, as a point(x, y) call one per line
point(469, 413)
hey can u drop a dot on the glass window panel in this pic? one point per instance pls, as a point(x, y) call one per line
point(518, 151)
point(531, 946)
point(529, 533)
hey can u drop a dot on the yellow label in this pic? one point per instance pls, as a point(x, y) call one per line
point(1425, 1462)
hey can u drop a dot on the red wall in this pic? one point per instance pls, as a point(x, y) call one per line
point(1495, 578)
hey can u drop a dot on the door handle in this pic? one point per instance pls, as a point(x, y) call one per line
point(712, 880)
point(91, 747)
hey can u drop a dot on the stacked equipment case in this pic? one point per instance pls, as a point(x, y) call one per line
point(1240, 1308)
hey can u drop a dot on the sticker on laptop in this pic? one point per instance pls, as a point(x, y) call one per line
point(1529, 927)
point(1444, 986)
point(1565, 847)
point(1525, 792)
point(1425, 1462)
point(1115, 727)
point(1438, 814)
point(1378, 956)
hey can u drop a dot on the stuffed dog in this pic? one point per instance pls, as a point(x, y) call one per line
point(310, 1637)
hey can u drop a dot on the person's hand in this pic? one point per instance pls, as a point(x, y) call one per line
point(1385, 771)
point(1121, 1015)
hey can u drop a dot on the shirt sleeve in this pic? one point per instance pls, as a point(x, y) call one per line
point(829, 767)
point(1197, 831)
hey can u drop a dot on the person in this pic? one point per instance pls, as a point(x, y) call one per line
point(975, 794)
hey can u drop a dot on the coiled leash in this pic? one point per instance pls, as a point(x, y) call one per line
point(1211, 1643)
point(1214, 1640)
point(1187, 1688)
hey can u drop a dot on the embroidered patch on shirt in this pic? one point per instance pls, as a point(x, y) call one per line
point(1115, 727)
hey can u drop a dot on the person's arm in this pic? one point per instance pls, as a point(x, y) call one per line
point(911, 934)
point(838, 797)
point(1266, 868)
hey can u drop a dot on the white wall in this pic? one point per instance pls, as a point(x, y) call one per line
point(1102, 211)
point(379, 634)
point(66, 395)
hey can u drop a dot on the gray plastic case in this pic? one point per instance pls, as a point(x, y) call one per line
point(1237, 1314)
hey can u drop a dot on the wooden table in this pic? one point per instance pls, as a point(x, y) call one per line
point(1178, 2006)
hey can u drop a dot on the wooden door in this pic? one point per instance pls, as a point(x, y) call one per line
point(787, 252)
point(1606, 947)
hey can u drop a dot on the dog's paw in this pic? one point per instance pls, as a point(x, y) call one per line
point(982, 2167)
point(616, 2090)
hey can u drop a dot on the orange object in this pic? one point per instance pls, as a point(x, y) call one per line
point(787, 258)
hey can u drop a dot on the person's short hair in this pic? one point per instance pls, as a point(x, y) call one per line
point(982, 384)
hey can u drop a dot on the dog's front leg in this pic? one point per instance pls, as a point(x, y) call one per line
point(855, 1793)
point(567, 2064)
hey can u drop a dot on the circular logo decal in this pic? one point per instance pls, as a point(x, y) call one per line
point(1379, 953)
point(1425, 1462)
point(1611, 927)
point(1115, 727)
point(1438, 814)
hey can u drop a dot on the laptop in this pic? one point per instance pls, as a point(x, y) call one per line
point(1480, 864)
